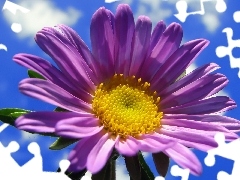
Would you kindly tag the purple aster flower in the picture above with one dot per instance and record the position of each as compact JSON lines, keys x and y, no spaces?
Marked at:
{"x":123,"y":94}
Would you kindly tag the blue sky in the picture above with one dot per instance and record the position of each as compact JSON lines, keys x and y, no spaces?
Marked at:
{"x":77,"y":14}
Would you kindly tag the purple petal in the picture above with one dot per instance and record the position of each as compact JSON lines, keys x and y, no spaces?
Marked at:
{"x":192,"y":125}
{"x":67,"y":58}
{"x":189,"y":139}
{"x":177,"y":63}
{"x":141,"y":43}
{"x":79,"y":155}
{"x":230,"y":123}
{"x":53,"y":94}
{"x":197,"y":90}
{"x":196,"y":134}
{"x":43,"y":121}
{"x":100,"y":153}
{"x":185,"y":158}
{"x":191,"y":77}
{"x":124,"y":36}
{"x":78,"y":127}
{"x":128,"y":147}
{"x":206,"y":106}
{"x":154,"y":143}
{"x":51,"y":73}
{"x":156,"y":34}
{"x":102,"y":40}
{"x":79,"y":44}
{"x":166,"y":45}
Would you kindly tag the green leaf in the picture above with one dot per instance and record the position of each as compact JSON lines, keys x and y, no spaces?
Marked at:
{"x":146,"y":171}
{"x":183,"y":74}
{"x":74,"y":175}
{"x":9,"y":115}
{"x":33,"y":74}
{"x":61,"y":143}
{"x":59,"y":109}
{"x":161,"y":162}
{"x":138,"y":168}
{"x":133,"y":166}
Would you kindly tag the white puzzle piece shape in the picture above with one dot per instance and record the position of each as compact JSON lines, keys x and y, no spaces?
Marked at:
{"x":177,"y":171}
{"x":182,"y":8}
{"x":230,"y":151}
{"x":222,"y":51}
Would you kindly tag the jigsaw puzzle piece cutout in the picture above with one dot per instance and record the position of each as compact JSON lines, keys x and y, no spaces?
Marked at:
{"x":13,"y":8}
{"x":236,"y":16}
{"x":5,"y":157}
{"x":156,"y":178}
{"x":63,"y":164}
{"x":227,"y":150}
{"x":4,"y":125}
{"x":35,"y":164}
{"x":27,"y":174}
{"x":222,"y":51}
{"x":220,"y":6}
{"x":182,"y":7}
{"x":177,"y":171}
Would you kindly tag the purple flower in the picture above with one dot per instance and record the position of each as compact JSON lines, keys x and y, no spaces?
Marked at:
{"x":123,"y":94}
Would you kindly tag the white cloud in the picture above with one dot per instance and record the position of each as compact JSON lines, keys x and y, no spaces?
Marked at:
{"x":28,"y":136}
{"x":154,"y":9}
{"x":42,"y":13}
{"x":121,"y":171}
{"x":211,"y":21}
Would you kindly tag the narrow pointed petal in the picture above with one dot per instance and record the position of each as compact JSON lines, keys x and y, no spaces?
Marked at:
{"x":199,"y":135}
{"x":128,"y":147}
{"x":181,"y":135}
{"x":166,"y":45}
{"x":189,"y":78}
{"x":79,"y":155}
{"x":53,"y":94}
{"x":51,"y":73}
{"x":43,"y":122}
{"x":124,"y":36}
{"x":230,"y":123}
{"x":161,"y":162}
{"x":80,"y":45}
{"x":67,"y":58}
{"x":100,"y":153}
{"x":78,"y":127}
{"x":177,"y":63}
{"x":207,"y":106}
{"x":197,"y":90}
{"x":156,"y":34}
{"x":154,"y":143}
{"x":185,"y":158}
{"x":141,"y":44}
{"x":102,"y":41}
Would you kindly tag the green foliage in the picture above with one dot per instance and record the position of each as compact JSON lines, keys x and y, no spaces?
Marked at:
{"x":147,"y":173}
{"x":182,"y":75}
{"x":61,"y":143}
{"x":9,"y":115}
{"x":138,"y":168}
{"x":33,"y":74}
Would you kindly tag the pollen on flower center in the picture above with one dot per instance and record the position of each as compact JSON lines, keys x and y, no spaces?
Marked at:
{"x":125,"y":106}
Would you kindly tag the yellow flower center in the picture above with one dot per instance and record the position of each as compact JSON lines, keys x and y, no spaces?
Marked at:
{"x":125,"y":106}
